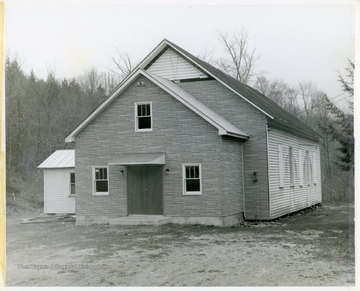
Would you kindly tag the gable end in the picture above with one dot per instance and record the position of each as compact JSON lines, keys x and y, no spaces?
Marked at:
{"x":170,"y":65}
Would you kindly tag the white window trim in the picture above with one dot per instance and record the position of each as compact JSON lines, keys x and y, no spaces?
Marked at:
{"x":314,"y":168}
{"x":291,"y":167}
{"x":136,"y":117}
{"x":184,"y":179}
{"x":281,"y":167}
{"x":70,"y":172}
{"x":308,"y":169}
{"x":301,"y":169}
{"x":93,"y":181}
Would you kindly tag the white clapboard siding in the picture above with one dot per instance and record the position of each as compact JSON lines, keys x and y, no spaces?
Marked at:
{"x":171,"y":66}
{"x":285,"y":198}
{"x":57,"y":190}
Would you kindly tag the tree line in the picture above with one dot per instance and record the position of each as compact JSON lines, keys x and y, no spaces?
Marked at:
{"x":40,"y":112}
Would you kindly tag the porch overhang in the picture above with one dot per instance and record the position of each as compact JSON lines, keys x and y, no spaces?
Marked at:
{"x":139,"y":159}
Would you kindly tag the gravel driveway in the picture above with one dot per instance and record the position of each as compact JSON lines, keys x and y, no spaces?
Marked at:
{"x":313,"y":247}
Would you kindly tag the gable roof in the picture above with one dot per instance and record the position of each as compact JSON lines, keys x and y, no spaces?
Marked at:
{"x":272,"y":110}
{"x":276,"y":115}
{"x":59,"y":159}
{"x":224,"y":127}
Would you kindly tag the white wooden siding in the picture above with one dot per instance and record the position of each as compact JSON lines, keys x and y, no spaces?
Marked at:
{"x":173,"y":67}
{"x":286,"y":198}
{"x":57,"y":191}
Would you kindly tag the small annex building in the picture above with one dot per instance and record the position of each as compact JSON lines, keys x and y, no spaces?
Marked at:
{"x":179,"y":138}
{"x":59,"y":182}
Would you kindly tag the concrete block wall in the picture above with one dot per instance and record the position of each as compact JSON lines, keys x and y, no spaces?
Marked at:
{"x":253,"y":122}
{"x":177,"y":131}
{"x":232,"y":176}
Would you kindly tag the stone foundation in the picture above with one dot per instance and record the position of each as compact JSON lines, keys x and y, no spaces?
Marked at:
{"x":222,"y":221}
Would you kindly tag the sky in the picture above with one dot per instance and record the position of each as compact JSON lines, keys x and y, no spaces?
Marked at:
{"x":295,"y":43}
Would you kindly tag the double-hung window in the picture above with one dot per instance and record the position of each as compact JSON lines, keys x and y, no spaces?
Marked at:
{"x":192,"y":179}
{"x":101,"y":180}
{"x":72,"y":183}
{"x":143,"y":116}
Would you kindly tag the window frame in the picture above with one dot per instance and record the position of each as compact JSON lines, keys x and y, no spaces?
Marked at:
{"x":308,"y":169}
{"x":314,"y":168}
{"x":70,"y":173}
{"x":94,"y":180}
{"x":281,"y":166}
{"x":137,"y":129}
{"x":301,"y":168}
{"x":291,"y":167}
{"x":191,"y":193}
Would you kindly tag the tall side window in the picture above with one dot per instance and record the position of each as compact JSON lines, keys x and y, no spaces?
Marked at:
{"x":101,"y":180}
{"x":192,"y":179}
{"x":72,"y":183}
{"x":291,"y":166}
{"x":314,"y":168}
{"x":143,"y":116}
{"x":301,"y":168}
{"x":281,"y":166}
{"x":309,"y":171}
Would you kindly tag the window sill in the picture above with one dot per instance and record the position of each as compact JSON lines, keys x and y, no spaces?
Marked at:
{"x":192,"y":193}
{"x":72,"y":195}
{"x":101,"y":193}
{"x":144,"y":130}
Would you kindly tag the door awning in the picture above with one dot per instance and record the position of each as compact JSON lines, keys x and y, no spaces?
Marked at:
{"x":140,"y":159}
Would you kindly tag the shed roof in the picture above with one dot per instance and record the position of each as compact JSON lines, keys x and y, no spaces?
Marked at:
{"x":59,"y":159}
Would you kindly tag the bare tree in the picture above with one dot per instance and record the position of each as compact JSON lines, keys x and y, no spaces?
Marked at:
{"x":307,"y":92}
{"x":208,"y":56}
{"x":279,"y":92}
{"x":240,"y":62}
{"x":124,"y":63}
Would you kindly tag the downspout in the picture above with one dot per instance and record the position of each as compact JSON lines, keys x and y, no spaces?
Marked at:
{"x":243,"y":177}
{"x":268,"y":168}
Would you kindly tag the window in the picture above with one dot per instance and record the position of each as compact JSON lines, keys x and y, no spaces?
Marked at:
{"x":309,"y":172}
{"x":191,"y":179}
{"x":101,"y":180}
{"x":291,"y":166}
{"x":301,"y":169}
{"x":281,"y":167}
{"x":143,"y":116}
{"x":72,"y":183}
{"x":314,"y":168}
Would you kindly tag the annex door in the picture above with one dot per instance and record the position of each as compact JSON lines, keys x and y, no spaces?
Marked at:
{"x":144,"y":188}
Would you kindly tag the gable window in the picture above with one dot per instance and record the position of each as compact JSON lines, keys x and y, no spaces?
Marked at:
{"x":72,"y":183}
{"x":143,"y":116}
{"x":101,"y":180}
{"x":192,"y":179}
{"x":291,"y":166}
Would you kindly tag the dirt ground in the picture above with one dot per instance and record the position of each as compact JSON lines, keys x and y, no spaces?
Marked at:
{"x":313,"y":247}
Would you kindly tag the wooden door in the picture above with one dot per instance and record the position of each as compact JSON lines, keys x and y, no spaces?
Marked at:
{"x":144,"y":188}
